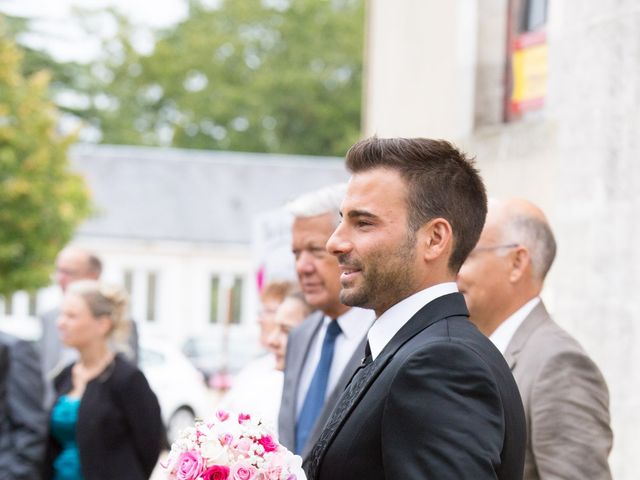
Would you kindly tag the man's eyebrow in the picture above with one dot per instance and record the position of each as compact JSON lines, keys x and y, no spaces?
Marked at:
{"x":360,"y":213}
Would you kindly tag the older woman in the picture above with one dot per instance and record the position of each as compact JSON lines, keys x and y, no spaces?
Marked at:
{"x":105,"y":422}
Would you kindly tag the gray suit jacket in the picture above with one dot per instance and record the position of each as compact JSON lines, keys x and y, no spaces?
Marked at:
{"x":565,"y":399}
{"x":298,"y":345}
{"x":23,"y":421}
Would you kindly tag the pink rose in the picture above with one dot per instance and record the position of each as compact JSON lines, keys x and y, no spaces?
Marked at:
{"x":268,"y":443}
{"x":222,"y":415}
{"x":243,"y":471}
{"x":243,"y":445}
{"x":274,"y":472}
{"x":225,"y":438}
{"x":190,"y":466}
{"x":244,"y":417}
{"x":275,"y":466}
{"x":216,"y":472}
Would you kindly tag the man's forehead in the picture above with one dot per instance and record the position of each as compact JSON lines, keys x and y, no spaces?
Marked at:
{"x":75,"y":257}
{"x":372,"y":191}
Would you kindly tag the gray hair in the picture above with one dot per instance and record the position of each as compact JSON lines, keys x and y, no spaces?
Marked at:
{"x":535,"y":234}
{"x":319,"y":202}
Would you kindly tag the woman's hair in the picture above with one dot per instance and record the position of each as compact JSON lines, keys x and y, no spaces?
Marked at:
{"x":106,"y":299}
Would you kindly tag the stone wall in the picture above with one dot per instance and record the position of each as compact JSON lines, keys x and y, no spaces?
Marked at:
{"x":580,"y":160}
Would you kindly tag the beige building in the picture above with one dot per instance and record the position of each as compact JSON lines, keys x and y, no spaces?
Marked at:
{"x":444,"y":69}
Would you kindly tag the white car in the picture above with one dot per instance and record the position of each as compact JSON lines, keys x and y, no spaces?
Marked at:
{"x":179,"y":386}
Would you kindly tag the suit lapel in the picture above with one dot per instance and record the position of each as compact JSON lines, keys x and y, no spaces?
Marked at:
{"x":304,"y":345}
{"x":297,"y":351}
{"x":530,"y":324}
{"x":436,"y":310}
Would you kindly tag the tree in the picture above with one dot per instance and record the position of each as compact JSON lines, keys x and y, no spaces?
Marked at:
{"x":41,"y":200}
{"x":256,"y":75}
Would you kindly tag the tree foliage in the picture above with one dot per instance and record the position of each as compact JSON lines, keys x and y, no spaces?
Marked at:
{"x":253,"y":75}
{"x":41,"y":201}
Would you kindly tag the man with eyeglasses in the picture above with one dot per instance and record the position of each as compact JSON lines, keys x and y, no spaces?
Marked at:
{"x":564,"y":394}
{"x":73,"y":263}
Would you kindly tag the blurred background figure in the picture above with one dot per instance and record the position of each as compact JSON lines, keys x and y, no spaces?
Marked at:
{"x":291,"y":312}
{"x":257,"y":388}
{"x":325,"y":350}
{"x":23,"y":421}
{"x":73,"y":264}
{"x":565,"y":396}
{"x":106,"y":420}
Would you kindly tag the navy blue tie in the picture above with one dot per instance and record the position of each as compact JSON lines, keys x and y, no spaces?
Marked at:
{"x":314,"y":400}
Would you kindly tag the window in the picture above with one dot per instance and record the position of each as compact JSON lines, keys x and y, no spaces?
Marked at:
{"x":128,"y":282}
{"x":235,"y":315}
{"x":534,"y":15}
{"x":152,"y":280}
{"x":33,"y":304}
{"x":8,"y":305}
{"x":214,"y":302}
{"x":527,"y":52}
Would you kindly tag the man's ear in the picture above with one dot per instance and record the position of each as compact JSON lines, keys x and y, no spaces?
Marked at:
{"x":435,"y":238}
{"x":520,"y":263}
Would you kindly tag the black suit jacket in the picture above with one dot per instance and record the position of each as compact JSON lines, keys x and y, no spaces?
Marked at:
{"x":119,"y":431}
{"x":439,"y":402}
{"x":23,"y":420}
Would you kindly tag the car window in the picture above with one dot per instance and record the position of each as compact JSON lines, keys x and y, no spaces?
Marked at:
{"x":151,"y":358}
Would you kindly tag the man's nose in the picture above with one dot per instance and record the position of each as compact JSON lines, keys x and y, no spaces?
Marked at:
{"x":338,"y":243}
{"x":272,"y":338}
{"x":304,"y":263}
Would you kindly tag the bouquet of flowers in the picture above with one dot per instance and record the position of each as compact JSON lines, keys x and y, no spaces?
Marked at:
{"x":232,"y":447}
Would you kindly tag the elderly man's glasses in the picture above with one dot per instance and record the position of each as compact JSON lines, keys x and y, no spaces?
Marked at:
{"x":494,"y":247}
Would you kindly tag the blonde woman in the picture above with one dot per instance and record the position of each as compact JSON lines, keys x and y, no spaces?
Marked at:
{"x":105,"y":422}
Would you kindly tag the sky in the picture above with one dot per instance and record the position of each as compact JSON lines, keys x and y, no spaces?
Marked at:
{"x":67,"y":41}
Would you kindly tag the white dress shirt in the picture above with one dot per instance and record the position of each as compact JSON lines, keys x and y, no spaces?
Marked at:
{"x":502,"y":335}
{"x":354,"y":325}
{"x":391,"y":321}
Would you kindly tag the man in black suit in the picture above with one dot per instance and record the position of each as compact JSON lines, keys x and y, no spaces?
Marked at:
{"x":23,"y":420}
{"x":434,"y":398}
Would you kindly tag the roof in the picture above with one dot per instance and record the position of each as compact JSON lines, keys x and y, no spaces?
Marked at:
{"x":192,"y":195}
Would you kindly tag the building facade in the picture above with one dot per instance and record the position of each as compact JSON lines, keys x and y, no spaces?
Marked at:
{"x":451,"y":70}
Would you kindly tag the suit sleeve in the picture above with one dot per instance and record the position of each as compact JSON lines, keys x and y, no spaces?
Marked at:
{"x":443,"y":417}
{"x":570,"y":432}
{"x":22,"y":456}
{"x":142,"y":411}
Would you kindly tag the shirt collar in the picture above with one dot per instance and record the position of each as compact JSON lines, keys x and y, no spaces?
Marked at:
{"x":391,"y":321}
{"x":502,"y":335}
{"x":354,"y":323}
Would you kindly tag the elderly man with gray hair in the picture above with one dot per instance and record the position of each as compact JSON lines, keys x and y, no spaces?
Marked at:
{"x":564,"y":394}
{"x":326,"y":349}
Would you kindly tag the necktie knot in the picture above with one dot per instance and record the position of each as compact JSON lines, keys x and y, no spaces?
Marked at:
{"x":333,"y":330}
{"x":367,"y":354}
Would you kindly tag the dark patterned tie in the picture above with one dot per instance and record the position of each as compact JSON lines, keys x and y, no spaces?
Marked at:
{"x":358,"y":381}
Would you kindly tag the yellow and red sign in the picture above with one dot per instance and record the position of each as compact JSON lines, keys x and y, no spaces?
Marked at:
{"x":529,"y":72}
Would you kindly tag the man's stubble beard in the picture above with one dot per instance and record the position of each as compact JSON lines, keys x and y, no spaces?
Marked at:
{"x":383,"y":287}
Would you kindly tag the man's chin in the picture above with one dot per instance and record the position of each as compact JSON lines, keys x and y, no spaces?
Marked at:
{"x":351,"y":297}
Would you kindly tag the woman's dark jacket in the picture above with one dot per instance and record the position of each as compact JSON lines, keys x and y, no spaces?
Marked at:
{"x":119,"y":430}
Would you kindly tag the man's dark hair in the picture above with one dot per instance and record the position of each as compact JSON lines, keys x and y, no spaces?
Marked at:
{"x":441,"y":180}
